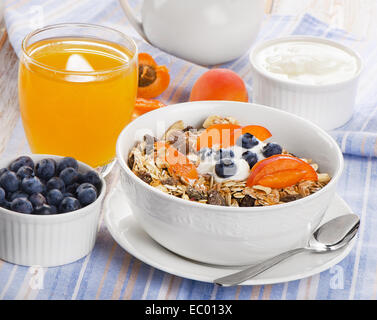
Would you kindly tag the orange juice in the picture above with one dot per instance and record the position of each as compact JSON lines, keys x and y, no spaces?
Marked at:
{"x":76,"y":95}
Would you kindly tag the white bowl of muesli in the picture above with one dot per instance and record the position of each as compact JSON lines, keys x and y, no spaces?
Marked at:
{"x":227,"y":183}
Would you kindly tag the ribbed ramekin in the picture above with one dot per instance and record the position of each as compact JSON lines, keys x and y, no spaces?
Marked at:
{"x":51,"y":240}
{"x":329,"y":106}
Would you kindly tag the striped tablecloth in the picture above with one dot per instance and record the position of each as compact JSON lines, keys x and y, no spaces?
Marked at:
{"x":109,"y":272}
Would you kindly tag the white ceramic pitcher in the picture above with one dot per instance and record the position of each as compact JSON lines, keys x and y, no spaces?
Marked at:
{"x":206,"y":32}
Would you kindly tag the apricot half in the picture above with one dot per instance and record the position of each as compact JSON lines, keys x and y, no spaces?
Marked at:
{"x":219,"y":84}
{"x":281,"y":171}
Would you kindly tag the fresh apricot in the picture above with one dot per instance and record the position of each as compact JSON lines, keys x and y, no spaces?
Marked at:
{"x":153,"y":79}
{"x":219,"y":84}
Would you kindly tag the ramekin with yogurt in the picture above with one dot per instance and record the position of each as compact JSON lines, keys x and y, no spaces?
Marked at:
{"x":310,"y":76}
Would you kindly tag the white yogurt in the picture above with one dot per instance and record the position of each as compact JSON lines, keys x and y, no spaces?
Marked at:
{"x":307,"y":62}
{"x":207,"y":166}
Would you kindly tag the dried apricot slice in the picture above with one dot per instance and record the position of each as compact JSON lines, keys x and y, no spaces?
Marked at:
{"x":179,"y":164}
{"x":221,"y":135}
{"x":225,"y":135}
{"x":281,"y":171}
{"x":145,"y":105}
{"x":259,"y":132}
{"x":153,"y":79}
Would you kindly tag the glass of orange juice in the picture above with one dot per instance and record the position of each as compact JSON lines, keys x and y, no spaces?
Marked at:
{"x":77,"y":90}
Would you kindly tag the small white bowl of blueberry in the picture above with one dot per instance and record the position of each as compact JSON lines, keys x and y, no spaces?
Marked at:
{"x":49,"y":209}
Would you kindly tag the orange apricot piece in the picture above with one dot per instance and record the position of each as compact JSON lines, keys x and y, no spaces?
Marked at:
{"x":179,"y":164}
{"x":153,"y":79}
{"x":145,"y":105}
{"x":281,"y":171}
{"x":221,"y":135}
{"x":261,"y":133}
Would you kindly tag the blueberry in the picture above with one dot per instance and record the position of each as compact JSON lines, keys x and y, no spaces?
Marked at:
{"x":205,"y":153}
{"x":54,"y":197}
{"x":67,"y":194}
{"x":225,"y":168}
{"x":81,"y":177}
{"x":32,"y":185}
{"x":93,"y":178}
{"x":45,"y":209}
{"x":20,"y":162}
{"x":3,"y":170}
{"x":69,"y":175}
{"x":84,"y":186}
{"x":25,"y":172}
{"x":69,"y":204}
{"x":5,"y":204}
{"x":21,"y":205}
{"x":67,"y":162}
{"x":250,"y":157}
{"x":270,"y":149}
{"x":87,"y":196}
{"x":37,"y":200}
{"x":247,"y":141}
{"x":45,"y":169}
{"x":18,"y":194}
{"x":9,"y":181}
{"x":2,"y":195}
{"x":72,"y":188}
{"x":224,"y":154}
{"x":55,"y":183}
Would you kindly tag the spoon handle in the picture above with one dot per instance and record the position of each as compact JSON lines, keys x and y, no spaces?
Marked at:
{"x":241,"y":276}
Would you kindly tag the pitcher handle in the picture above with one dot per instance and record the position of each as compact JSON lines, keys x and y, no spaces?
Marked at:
{"x":135,"y":22}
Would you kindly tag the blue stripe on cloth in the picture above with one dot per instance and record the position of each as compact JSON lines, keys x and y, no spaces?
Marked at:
{"x":111,"y":273}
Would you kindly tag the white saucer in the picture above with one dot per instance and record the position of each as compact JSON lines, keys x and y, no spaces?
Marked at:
{"x":128,"y":234}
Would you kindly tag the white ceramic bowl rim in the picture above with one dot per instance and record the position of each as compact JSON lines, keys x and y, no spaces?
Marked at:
{"x":268,"y":43}
{"x":59,"y":217}
{"x":133,"y":176}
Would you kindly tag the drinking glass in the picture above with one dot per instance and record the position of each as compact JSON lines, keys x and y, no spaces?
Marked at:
{"x":77,"y":90}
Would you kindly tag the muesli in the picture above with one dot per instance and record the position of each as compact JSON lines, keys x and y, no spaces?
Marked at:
{"x":223,"y":163}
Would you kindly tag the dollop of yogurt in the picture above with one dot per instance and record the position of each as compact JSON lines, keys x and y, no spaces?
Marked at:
{"x":307,"y":62}
{"x":210,"y":159}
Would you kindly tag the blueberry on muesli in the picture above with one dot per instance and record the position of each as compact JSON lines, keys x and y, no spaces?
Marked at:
{"x":224,"y":154}
{"x":251,"y":158}
{"x":247,"y":141}
{"x":225,"y":168}
{"x":272,"y":149}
